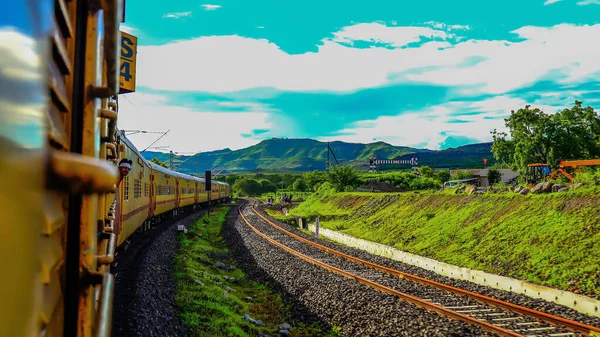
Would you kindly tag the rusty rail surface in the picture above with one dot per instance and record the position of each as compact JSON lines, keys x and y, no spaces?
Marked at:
{"x":406,"y":297}
{"x":517,"y":309}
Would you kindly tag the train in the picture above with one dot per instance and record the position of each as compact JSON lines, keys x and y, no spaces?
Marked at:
{"x":65,"y":205}
{"x":152,"y":193}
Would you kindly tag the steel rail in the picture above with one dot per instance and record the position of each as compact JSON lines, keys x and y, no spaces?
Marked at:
{"x":520,"y":310}
{"x":406,"y":297}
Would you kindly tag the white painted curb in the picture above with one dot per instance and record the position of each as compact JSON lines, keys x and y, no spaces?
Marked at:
{"x":583,"y":304}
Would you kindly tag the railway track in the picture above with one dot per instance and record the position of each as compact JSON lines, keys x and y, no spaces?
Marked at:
{"x":490,"y":314}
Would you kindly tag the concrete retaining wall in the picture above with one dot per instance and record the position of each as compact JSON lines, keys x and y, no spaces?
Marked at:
{"x":580,"y":303}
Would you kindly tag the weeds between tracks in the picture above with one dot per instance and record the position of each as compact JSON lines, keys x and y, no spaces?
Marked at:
{"x":213,"y":296}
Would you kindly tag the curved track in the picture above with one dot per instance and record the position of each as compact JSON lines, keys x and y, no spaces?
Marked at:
{"x":493,"y":315}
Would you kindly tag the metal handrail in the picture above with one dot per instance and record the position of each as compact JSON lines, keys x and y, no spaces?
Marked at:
{"x":109,"y":257}
{"x":112,"y":40}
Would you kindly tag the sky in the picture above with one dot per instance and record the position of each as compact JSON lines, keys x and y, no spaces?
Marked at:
{"x":428,"y":74}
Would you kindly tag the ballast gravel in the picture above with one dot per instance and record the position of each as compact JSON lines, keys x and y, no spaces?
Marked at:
{"x":520,"y":299}
{"x":144,"y":298}
{"x":357,"y":309}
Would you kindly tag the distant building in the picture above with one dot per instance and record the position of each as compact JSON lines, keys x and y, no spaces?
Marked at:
{"x":482,"y":175}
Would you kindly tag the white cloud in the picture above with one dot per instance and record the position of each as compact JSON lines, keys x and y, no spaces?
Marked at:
{"x":22,"y":106}
{"x":191,"y":130}
{"x":177,"y":15}
{"x":588,"y":2}
{"x":456,"y":27}
{"x":434,"y":125}
{"x":379,"y":33}
{"x":20,"y":55}
{"x":550,"y":2}
{"x":128,"y":29}
{"x":232,"y":63}
{"x":441,"y":25}
{"x":208,"y":7}
{"x":512,"y":65}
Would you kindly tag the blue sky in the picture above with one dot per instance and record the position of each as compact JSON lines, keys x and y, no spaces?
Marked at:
{"x":428,"y":73}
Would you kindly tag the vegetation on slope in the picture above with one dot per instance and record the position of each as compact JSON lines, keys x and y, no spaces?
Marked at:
{"x":344,"y":178}
{"x":549,"y":239}
{"x":213,"y":300}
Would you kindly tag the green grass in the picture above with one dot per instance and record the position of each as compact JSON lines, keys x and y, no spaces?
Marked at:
{"x":548,"y":239}
{"x":205,"y":306}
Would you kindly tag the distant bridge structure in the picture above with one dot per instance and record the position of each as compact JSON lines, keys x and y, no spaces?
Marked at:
{"x":373,"y":163}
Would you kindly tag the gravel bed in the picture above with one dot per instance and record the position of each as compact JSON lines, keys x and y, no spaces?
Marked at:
{"x":144,"y":299}
{"x":356,"y":308}
{"x":520,"y":299}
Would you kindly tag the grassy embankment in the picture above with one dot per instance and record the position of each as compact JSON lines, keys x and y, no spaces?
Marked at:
{"x":207,"y":306}
{"x":548,"y":239}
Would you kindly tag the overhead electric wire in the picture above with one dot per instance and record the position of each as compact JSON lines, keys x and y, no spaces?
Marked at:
{"x":164,"y":134}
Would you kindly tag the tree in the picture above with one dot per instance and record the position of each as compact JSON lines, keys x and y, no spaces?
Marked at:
{"x":442,"y":175}
{"x":248,"y":187}
{"x":424,"y":183}
{"x":299,"y":185}
{"x":494,"y":176}
{"x":537,"y":137}
{"x":577,"y":133}
{"x":158,"y":162}
{"x":462,"y":174}
{"x":342,"y":176}
{"x":288,"y":180}
{"x":314,"y":179}
{"x":267,"y":186}
{"x":231,"y":179}
{"x":426,"y":172}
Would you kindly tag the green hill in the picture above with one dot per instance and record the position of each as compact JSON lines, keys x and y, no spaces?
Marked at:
{"x":308,"y":154}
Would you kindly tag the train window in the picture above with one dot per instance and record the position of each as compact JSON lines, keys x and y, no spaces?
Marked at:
{"x":126,"y":188}
{"x":145,"y":190}
{"x":163,"y":190}
{"x":137,"y":188}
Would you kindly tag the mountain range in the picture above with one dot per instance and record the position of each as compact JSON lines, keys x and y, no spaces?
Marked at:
{"x":282,"y":154}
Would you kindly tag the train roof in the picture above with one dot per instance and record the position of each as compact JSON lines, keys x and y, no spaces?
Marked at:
{"x":129,"y":144}
{"x":163,"y":169}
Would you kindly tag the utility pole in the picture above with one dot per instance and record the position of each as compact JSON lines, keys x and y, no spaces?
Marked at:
{"x":327,"y":165}
{"x":171,"y":160}
{"x":329,"y":149}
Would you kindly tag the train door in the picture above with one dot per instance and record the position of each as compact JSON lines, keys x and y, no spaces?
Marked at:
{"x":151,"y":200}
{"x":177,"y":193}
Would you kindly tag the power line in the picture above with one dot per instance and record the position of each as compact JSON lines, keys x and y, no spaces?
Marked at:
{"x":164,"y":134}
{"x":136,"y":109}
{"x":133,"y":132}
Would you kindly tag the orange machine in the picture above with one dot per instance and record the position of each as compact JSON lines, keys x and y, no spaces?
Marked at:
{"x":536,"y":172}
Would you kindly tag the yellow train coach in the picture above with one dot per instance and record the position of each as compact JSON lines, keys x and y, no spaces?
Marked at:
{"x":150,"y":194}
